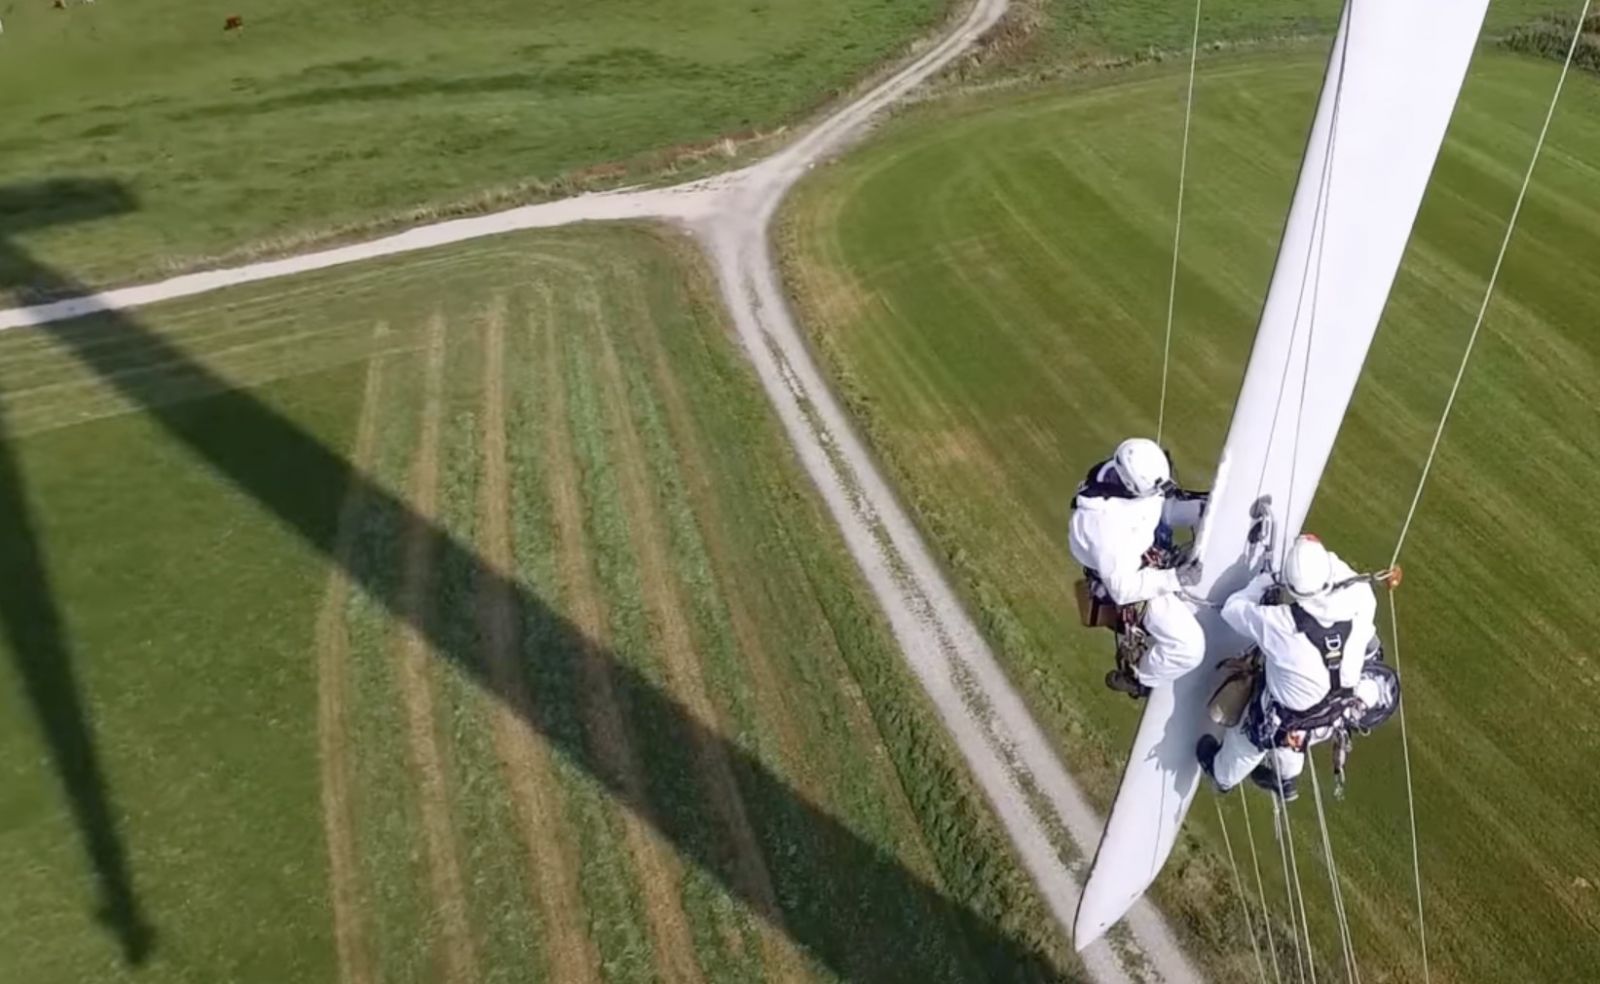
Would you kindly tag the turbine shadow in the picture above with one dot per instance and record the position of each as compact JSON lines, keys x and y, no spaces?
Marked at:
{"x":35,"y":631}
{"x":36,"y":636}
{"x":840,"y":891}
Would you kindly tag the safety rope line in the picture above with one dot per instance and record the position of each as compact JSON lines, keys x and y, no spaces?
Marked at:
{"x":1261,"y":888}
{"x":1313,"y":273}
{"x":1346,"y":941}
{"x":1238,"y":883}
{"x":1438,"y":436}
{"x":1319,"y":232}
{"x":1278,"y":824}
{"x":1177,"y":227}
{"x":1494,"y":276}
{"x":1294,"y":863}
{"x":1411,"y":800}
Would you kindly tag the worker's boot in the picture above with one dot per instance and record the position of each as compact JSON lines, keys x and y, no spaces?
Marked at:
{"x":1267,"y":778}
{"x":1123,"y":681}
{"x":1205,"y":751}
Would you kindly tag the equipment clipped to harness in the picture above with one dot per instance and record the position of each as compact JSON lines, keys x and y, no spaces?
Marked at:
{"x":1341,"y":755}
{"x":1097,"y":611}
{"x":1094,"y":609}
{"x":1345,"y":714}
{"x":1240,"y":686}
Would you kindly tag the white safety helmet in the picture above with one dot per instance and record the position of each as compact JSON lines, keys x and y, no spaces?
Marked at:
{"x":1142,"y":466}
{"x":1308,"y":569}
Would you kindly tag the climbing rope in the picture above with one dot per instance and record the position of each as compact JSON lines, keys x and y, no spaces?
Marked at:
{"x":1261,"y":888}
{"x":1494,"y":276}
{"x":1177,"y":226}
{"x":1438,"y":436}
{"x":1313,"y":273}
{"x":1346,"y":942}
{"x":1411,"y":800}
{"x":1280,"y":825}
{"x":1308,"y":273}
{"x":1244,"y":901}
{"x":1299,"y":893}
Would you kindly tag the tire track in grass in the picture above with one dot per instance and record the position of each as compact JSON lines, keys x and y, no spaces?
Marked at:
{"x":333,"y":653}
{"x":550,"y":851}
{"x":457,"y":960}
{"x":747,"y":637}
{"x":772,"y":684}
{"x":657,"y":872}
{"x":553,"y":648}
{"x":770,"y":687}
{"x":666,"y":607}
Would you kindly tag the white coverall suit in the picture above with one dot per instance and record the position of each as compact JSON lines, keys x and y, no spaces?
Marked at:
{"x":1296,"y":671}
{"x":1110,"y":536}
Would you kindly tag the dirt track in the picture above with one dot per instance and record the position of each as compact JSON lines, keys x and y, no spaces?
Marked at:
{"x":730,"y":215}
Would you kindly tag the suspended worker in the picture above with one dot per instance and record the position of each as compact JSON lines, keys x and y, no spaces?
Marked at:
{"x":1314,"y":631}
{"x":1121,"y":532}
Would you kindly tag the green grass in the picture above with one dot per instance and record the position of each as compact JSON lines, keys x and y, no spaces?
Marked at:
{"x":1078,"y":31}
{"x":987,"y":282}
{"x":196,"y":692}
{"x":186,"y":529}
{"x":320,"y":116}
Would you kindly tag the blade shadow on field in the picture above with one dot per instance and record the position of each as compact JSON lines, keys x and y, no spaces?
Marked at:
{"x":34,"y":627}
{"x":300,"y":481}
{"x":37,"y":637}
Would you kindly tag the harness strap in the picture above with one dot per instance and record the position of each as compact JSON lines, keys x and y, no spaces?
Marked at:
{"x":1328,"y":639}
{"x":1098,"y":485}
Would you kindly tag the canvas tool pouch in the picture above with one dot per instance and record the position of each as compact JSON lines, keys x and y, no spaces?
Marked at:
{"x":1233,"y":695}
{"x":1094,"y":611}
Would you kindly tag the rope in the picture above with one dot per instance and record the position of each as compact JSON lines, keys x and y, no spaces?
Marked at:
{"x":1319,"y":235}
{"x":1299,"y":893}
{"x":1433,"y":451}
{"x":1346,"y":941}
{"x":1261,"y":888}
{"x":1320,"y":232}
{"x":1488,"y":293}
{"x":1411,"y":799}
{"x":1288,"y":890}
{"x":1177,"y":228}
{"x":1244,"y":902}
{"x":1314,"y":273}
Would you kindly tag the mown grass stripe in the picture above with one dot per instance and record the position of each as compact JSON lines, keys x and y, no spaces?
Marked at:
{"x":333,"y":683}
{"x":457,"y":959}
{"x":548,"y":845}
{"x":658,"y":875}
{"x":393,"y":876}
{"x":652,"y":497}
{"x":501,"y":910}
{"x":553,"y":651}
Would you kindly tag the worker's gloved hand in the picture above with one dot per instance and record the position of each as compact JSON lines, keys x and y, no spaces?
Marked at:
{"x":1189,"y":573}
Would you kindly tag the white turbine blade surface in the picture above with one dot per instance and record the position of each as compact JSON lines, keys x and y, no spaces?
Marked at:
{"x":1402,"y":69}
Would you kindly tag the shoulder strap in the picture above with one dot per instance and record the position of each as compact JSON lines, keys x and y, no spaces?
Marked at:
{"x":1095,"y":487}
{"x":1328,"y":639}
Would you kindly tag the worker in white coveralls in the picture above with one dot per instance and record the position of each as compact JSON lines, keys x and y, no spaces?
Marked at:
{"x":1313,"y":630}
{"x":1122,"y":518}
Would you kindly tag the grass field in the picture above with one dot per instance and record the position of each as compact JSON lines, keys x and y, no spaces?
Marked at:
{"x":987,"y":281}
{"x":458,"y":617}
{"x":1093,"y":30}
{"x":320,"y":115}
